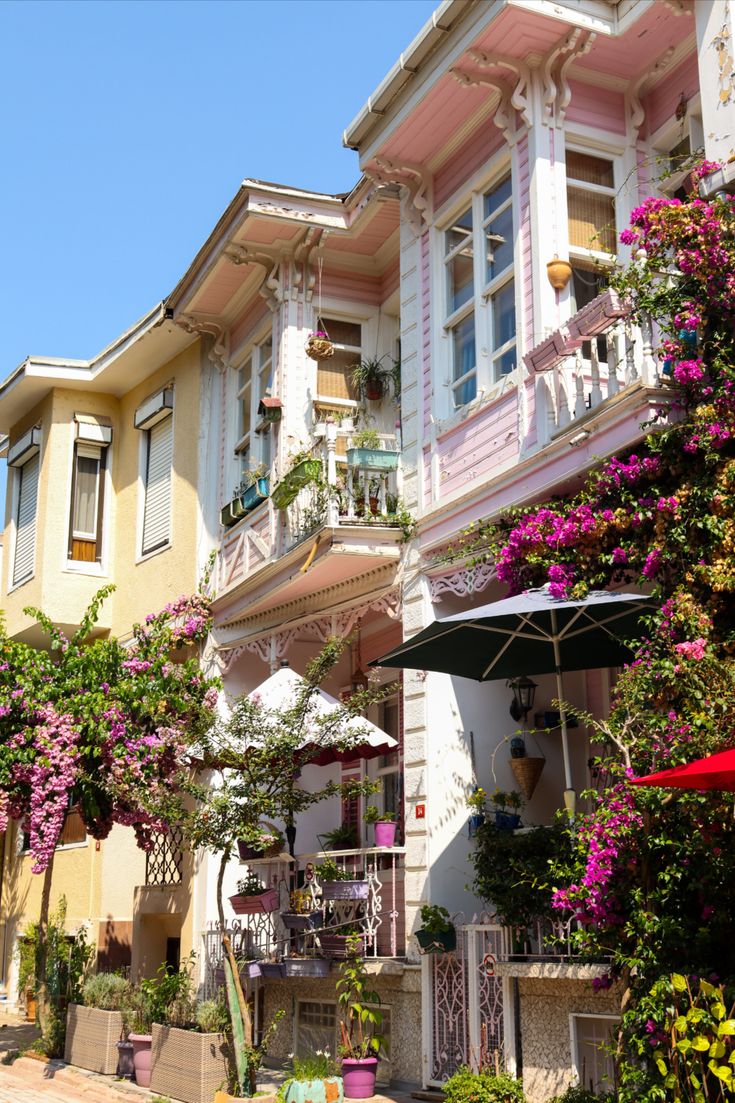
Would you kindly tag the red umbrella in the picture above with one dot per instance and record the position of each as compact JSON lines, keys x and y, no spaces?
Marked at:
{"x":717,"y":771}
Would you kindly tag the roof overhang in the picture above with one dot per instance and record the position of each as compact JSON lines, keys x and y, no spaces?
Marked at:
{"x":148,"y":344}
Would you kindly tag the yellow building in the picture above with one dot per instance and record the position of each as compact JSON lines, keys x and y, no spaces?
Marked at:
{"x":104,"y":460}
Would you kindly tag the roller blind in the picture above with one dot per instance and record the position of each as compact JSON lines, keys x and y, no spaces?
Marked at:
{"x":25,"y":535}
{"x":157,"y":508}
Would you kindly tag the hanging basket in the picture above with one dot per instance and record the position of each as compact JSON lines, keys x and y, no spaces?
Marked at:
{"x":319,"y":348}
{"x":527,"y":771}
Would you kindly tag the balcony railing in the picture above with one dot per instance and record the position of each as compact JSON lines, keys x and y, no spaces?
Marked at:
{"x":541,"y":940}
{"x":364,"y":491}
{"x":379,"y":915}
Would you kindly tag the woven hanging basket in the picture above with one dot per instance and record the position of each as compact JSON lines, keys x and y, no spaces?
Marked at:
{"x":319,"y":348}
{"x":527,"y":771}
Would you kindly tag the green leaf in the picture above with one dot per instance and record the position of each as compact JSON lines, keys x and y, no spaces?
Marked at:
{"x":700,"y":1043}
{"x":718,"y":1010}
{"x":678,"y":982}
{"x":726,"y":1027}
{"x":681,"y":1024}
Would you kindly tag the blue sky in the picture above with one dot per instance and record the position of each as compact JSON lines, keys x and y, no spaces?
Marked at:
{"x":127,"y":127}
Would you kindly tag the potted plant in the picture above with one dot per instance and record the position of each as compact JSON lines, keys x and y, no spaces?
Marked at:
{"x":253,"y":897}
{"x":313,"y":1079}
{"x":488,"y":1084}
{"x":249,"y":493}
{"x":140,"y":1011}
{"x":343,"y":837}
{"x":476,"y":804}
{"x":272,"y":969}
{"x":385,"y":825}
{"x":371,"y":377}
{"x":95,"y":1027}
{"x":304,"y":469}
{"x":365,"y":451}
{"x":269,"y":844}
{"x":340,"y":884}
{"x":360,"y":1040}
{"x":303,"y":914}
{"x":437,"y":934}
{"x":190,"y":1050}
{"x":306,"y":965}
{"x":504,"y":820}
{"x":318,"y":345}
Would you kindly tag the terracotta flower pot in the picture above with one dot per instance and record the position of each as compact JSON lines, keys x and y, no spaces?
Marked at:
{"x":559,"y":273}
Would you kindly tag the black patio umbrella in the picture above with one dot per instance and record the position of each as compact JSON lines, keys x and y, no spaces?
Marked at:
{"x":530,"y":633}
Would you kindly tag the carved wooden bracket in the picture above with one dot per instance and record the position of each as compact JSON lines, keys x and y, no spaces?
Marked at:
{"x":200,"y":323}
{"x":640,"y":84}
{"x":304,"y":273}
{"x":555,"y":70}
{"x":270,"y":288}
{"x":416,"y":182}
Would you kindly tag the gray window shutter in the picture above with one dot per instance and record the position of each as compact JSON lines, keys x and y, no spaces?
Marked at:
{"x":157,"y":508}
{"x":25,"y":533}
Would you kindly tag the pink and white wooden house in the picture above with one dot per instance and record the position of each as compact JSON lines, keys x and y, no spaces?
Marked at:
{"x":509,"y":136}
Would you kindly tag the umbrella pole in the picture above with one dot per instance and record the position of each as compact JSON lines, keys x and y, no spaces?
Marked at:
{"x":562,"y":712}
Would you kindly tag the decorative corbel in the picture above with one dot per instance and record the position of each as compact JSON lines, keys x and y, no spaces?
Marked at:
{"x":639,"y":85}
{"x":270,"y":288}
{"x":415,"y":180}
{"x":219,"y":352}
{"x":304,"y":279}
{"x":504,"y":116}
{"x":556,"y":90}
{"x":519,"y":95}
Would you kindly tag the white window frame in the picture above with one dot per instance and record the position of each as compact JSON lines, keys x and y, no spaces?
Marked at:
{"x":669,"y":135}
{"x":348,"y":404}
{"x":87,"y":452}
{"x":579,"y":252}
{"x":484,"y":291}
{"x":253,"y":441}
{"x":574,"y":1016}
{"x":143,"y":457}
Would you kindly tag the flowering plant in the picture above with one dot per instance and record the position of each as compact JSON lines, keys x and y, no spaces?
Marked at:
{"x":476,"y":800}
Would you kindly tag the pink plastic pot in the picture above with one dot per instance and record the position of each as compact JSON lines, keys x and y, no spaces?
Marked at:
{"x":142,"y":1058}
{"x":359,"y":1077}
{"x":385,"y":833}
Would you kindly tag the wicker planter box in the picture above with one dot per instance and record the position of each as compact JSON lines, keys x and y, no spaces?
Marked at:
{"x":187,"y":1065}
{"x":91,"y":1038}
{"x":250,"y":905}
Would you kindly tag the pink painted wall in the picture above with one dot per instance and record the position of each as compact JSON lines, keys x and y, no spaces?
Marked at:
{"x":660,"y":103}
{"x":390,"y":279}
{"x":485,"y":441}
{"x":248,"y":321}
{"x":471,"y":155}
{"x":600,"y":108}
{"x":352,"y":285}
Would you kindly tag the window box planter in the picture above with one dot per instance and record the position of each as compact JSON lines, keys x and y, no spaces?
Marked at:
{"x":329,"y":1090}
{"x":250,"y":854}
{"x":335,"y":945}
{"x":303,"y":921}
{"x":187,"y":1065}
{"x":231,"y":513}
{"x":596,"y":317}
{"x":443,"y":943}
{"x":256,"y":493}
{"x":305,"y":472}
{"x":91,"y":1038}
{"x":307,"y":966}
{"x":252,"y":905}
{"x":272,"y":969}
{"x":344,"y":890}
{"x":379,"y":459}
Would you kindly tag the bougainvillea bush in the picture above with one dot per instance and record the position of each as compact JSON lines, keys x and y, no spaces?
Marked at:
{"x":105,"y":721}
{"x":652,"y":877}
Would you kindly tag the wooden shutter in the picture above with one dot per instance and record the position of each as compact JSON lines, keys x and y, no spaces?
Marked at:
{"x":25,"y":535}
{"x":157,"y":508}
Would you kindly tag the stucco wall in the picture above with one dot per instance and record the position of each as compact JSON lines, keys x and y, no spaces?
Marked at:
{"x":401,"y":994}
{"x":545,"y":1007}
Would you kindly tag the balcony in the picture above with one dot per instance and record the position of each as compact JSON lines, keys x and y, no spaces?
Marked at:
{"x":262,"y":941}
{"x":340,"y":521}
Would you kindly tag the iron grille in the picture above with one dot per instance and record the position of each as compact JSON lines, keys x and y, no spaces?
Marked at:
{"x":164,"y":862}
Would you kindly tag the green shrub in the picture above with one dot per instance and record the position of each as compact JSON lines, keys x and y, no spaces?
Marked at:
{"x":105,"y":991}
{"x":467,"y":1086}
{"x":578,"y":1094}
{"x":212,"y":1017}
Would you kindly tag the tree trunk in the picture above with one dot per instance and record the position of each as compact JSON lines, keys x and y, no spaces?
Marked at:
{"x":226,"y":854}
{"x":42,"y":997}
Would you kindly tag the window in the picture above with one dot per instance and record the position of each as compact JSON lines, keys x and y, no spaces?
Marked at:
{"x":334,"y":376}
{"x":591,"y":204}
{"x":158,"y":455}
{"x":87,"y":492}
{"x":591,"y":1038}
{"x":480,"y":289}
{"x":25,"y":457}
{"x":254,"y":382}
{"x":73,"y":830}
{"x":316,"y":1028}
{"x":389,"y":764}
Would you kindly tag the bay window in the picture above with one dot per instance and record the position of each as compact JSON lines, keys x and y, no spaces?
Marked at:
{"x":254,"y":382}
{"x":334,"y":386}
{"x":480,"y":291}
{"x":85,"y":535}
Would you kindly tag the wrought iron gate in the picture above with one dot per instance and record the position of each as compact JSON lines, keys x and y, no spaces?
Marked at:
{"x":466,"y":1000}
